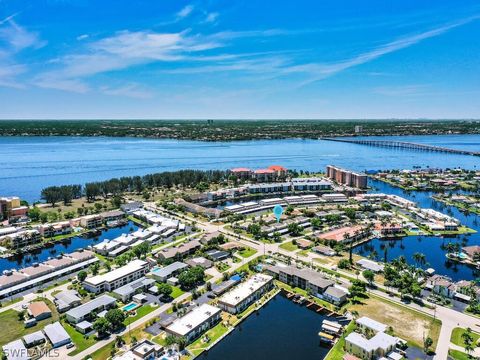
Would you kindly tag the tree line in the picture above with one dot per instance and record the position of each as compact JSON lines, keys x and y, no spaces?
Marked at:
{"x":118,"y":186}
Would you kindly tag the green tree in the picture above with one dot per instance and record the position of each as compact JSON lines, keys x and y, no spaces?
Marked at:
{"x":115,"y":317}
{"x":165,"y":289}
{"x":427,"y":343}
{"x":102,"y":326}
{"x":369,"y":275}
{"x":82,"y":275}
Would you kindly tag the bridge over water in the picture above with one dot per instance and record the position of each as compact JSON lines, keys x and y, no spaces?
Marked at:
{"x":405,"y":145}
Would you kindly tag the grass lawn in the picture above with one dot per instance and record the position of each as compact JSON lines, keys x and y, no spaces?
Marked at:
{"x":140,"y":312}
{"x":10,"y":302}
{"x":13,"y":329}
{"x":458,"y":355}
{"x":337,"y":351}
{"x":214,"y":333}
{"x":407,"y":324}
{"x":289,"y":246}
{"x":81,"y":343}
{"x":101,"y":354}
{"x":456,"y":337}
{"x":176,"y":292}
{"x":247,"y":252}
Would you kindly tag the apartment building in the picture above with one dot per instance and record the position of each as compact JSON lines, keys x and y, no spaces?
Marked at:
{"x":114,"y":279}
{"x":91,"y":221}
{"x":347,"y":177}
{"x":247,"y":292}
{"x":195,"y":323}
{"x":20,"y":239}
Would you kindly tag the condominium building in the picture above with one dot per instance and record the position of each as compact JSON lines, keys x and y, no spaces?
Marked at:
{"x":311,"y":184}
{"x":11,"y":206}
{"x":86,"y":310}
{"x":91,"y":221}
{"x":20,"y":239}
{"x":195,"y":323}
{"x":112,"y":280}
{"x":242,"y":173}
{"x":247,"y":292}
{"x":347,"y":177}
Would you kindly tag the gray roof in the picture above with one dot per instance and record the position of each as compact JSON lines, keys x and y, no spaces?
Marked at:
{"x":34,"y":337}
{"x":16,"y":350}
{"x":84,"y":325}
{"x":56,"y":333}
{"x":87,"y":308}
{"x":133,"y":286}
{"x":335,"y":292}
{"x":169,"y":269}
{"x":67,"y":297}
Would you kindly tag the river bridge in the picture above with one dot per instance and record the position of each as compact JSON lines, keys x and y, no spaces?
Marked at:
{"x":405,"y":145}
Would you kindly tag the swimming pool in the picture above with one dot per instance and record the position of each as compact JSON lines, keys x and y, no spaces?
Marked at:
{"x":130,"y":307}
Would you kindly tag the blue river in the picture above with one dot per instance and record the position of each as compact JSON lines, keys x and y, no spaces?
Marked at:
{"x":28,"y":164}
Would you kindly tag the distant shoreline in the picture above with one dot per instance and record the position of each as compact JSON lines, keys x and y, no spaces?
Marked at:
{"x":230,"y":130}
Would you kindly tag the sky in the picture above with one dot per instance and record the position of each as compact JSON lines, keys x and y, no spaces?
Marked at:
{"x":166,"y":59}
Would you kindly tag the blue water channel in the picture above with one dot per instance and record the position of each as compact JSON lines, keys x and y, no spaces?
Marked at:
{"x":67,"y":246}
{"x":280,"y":330}
{"x":431,"y":246}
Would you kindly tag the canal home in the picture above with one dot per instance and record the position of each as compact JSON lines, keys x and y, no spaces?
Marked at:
{"x":247,"y":292}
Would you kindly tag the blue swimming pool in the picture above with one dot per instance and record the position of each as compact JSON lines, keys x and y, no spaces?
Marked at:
{"x":130,"y":307}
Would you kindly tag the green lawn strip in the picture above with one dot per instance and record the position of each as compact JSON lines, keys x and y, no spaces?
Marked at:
{"x":456,"y":337}
{"x":176,"y":292}
{"x":101,"y":354}
{"x":140,"y":312}
{"x":458,"y":355}
{"x":337,"y":351}
{"x":11,"y":302}
{"x":81,"y":342}
{"x":289,"y":246}
{"x":247,"y":252}
{"x":13,"y":328}
{"x":198,"y":346}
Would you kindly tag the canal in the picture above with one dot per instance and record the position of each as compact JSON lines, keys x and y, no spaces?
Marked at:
{"x":66,"y":246}
{"x":431,"y":246}
{"x":280,"y":330}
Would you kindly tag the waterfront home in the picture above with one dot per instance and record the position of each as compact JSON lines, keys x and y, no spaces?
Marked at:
{"x":244,"y":294}
{"x":265,"y":175}
{"x":376,"y":347}
{"x":11,"y":207}
{"x":162,"y":274}
{"x":345,"y":234}
{"x":12,"y":282}
{"x":39,"y":310}
{"x":56,"y":334}
{"x":335,"y":198}
{"x":195,"y":323}
{"x":472,"y":252}
{"x":441,"y":285}
{"x":126,"y":292}
{"x":91,"y":221}
{"x":114,"y":279}
{"x":179,"y":252}
{"x":335,"y":295}
{"x":370,"y":265}
{"x":113,"y":215}
{"x":265,"y":188}
{"x":66,"y":299}
{"x":85,"y":311}
{"x":20,"y":239}
{"x":55,"y":229}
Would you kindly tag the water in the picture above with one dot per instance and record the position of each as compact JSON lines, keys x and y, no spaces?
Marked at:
{"x":28,"y":164}
{"x":65,"y":247}
{"x":281,"y":330}
{"x":428,"y":245}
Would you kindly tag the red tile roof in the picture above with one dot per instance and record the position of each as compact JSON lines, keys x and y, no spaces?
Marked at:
{"x":277,"y":168}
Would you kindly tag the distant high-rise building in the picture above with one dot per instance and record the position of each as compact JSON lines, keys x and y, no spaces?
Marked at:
{"x":358,"y":129}
{"x":347,"y":177}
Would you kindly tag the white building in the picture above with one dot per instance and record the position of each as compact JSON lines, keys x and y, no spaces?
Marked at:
{"x":196,"y":322}
{"x":114,"y":279}
{"x":245,"y":293}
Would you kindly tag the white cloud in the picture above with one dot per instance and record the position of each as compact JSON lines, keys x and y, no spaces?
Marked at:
{"x":184,"y":12}
{"x":82,"y":37}
{"x":129,"y":90}
{"x":211,"y":17}
{"x":17,"y":38}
